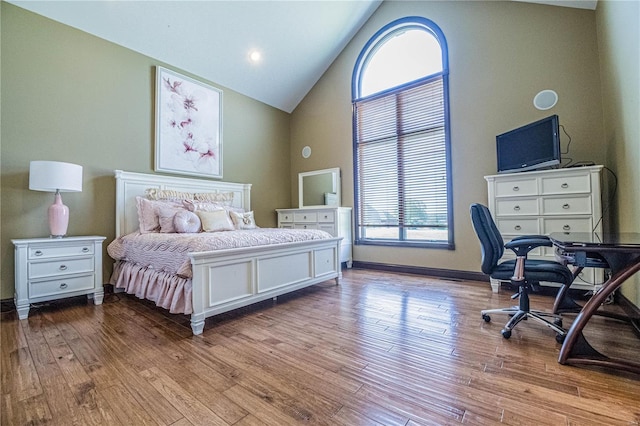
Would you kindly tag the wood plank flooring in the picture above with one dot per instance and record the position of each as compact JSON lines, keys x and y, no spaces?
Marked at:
{"x":379,"y":349}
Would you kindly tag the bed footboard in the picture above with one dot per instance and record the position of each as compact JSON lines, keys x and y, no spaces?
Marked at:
{"x":229,"y":279}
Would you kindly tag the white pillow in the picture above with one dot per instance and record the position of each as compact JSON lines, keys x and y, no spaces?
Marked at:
{"x":215,"y":221}
{"x":186,"y":222}
{"x":243,"y":220}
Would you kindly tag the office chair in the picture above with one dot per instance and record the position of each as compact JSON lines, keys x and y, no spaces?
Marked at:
{"x":523,"y":273}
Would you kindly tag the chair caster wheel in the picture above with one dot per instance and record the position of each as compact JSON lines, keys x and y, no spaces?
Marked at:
{"x":486,"y":318}
{"x":506,"y":333}
{"x":558,"y":322}
{"x":560,"y":338}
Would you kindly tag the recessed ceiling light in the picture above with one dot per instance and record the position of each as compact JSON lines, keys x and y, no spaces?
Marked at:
{"x":255,"y":56}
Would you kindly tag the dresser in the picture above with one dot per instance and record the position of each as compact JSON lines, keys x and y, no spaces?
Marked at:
{"x":542,"y":202}
{"x":335,"y":220}
{"x":53,"y":268}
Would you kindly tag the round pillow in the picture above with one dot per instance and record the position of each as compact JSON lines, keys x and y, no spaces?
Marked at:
{"x":186,"y":222}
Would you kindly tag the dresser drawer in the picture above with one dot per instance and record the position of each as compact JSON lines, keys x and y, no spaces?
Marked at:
{"x":567,"y":205}
{"x":518,"y":226}
{"x":326,"y":217}
{"x":60,"y":286}
{"x":305,"y":217}
{"x":60,"y":267}
{"x":285,"y":217}
{"x":305,"y":226}
{"x":520,"y":206}
{"x":567,"y":225}
{"x":45,"y":252}
{"x":566,"y":184}
{"x":516,"y":187}
{"x":328,"y":227}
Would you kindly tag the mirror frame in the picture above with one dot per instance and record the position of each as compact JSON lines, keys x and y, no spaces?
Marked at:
{"x":335,"y":173}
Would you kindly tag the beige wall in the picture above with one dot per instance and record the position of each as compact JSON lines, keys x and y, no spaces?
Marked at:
{"x":619,"y":45}
{"x":501,"y":54}
{"x":69,"y":96}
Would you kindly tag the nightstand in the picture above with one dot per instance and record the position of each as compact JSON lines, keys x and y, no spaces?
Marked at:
{"x":55,"y":268}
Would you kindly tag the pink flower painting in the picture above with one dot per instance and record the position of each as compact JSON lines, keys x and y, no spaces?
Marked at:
{"x":188,"y":126}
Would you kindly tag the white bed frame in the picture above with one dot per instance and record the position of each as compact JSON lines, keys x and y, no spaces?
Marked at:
{"x":228,"y":279}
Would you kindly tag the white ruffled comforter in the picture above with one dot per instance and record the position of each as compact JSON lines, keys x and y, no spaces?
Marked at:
{"x":169,"y":252}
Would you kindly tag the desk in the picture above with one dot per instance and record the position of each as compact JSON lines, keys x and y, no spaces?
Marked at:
{"x":622,"y":253}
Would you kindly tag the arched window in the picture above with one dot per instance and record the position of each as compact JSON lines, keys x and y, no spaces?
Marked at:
{"x":401,"y":137}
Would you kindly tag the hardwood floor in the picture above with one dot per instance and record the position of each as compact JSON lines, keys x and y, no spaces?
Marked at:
{"x":379,"y":349}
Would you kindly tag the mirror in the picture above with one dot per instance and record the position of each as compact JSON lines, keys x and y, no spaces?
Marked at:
{"x":319,"y":188}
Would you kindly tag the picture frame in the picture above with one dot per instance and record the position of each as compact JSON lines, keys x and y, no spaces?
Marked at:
{"x":188,"y":126}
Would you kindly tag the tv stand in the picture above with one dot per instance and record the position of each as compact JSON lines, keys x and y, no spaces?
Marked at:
{"x":545,"y":201}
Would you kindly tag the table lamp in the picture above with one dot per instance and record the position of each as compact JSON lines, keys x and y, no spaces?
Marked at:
{"x":56,"y":176}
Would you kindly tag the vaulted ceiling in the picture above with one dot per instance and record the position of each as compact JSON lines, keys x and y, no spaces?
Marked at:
{"x":297,"y":40}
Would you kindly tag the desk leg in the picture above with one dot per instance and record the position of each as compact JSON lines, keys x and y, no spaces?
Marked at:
{"x":576,"y":349}
{"x":564,"y":303}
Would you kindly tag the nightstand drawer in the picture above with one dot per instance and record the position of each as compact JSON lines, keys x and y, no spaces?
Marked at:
{"x":62,"y":251}
{"x":60,"y":286}
{"x":305,"y":217}
{"x":60,"y":267}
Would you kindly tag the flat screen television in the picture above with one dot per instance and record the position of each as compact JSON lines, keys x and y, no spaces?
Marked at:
{"x":530,"y":147}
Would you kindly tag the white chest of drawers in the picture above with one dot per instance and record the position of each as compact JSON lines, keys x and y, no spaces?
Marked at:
{"x":542,"y":202}
{"x":335,"y":220}
{"x":54,"y":268}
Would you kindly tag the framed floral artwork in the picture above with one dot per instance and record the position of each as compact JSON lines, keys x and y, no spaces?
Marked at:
{"x":188,"y":126}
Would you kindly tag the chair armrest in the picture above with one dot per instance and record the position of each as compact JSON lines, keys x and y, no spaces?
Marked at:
{"x":524,"y":237}
{"x":523,"y":245}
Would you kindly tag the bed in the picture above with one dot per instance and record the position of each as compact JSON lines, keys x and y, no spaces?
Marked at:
{"x":225,"y":279}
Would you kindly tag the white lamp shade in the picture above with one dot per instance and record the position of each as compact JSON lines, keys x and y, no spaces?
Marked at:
{"x":52,"y":176}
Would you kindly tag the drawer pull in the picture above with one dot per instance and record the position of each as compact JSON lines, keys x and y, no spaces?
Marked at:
{"x":326,"y":217}
{"x":305,"y":226}
{"x":516,"y":188}
{"x":565,"y":206}
{"x":85,"y":249}
{"x":63,"y":267}
{"x":564,"y":185}
{"x":305,"y":217}
{"x":38,"y":253}
{"x":517,"y":227}
{"x":63,"y":286}
{"x":566,"y":227}
{"x":516,"y":208}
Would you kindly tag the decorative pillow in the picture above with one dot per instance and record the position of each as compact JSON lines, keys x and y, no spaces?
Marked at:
{"x":243,"y":220}
{"x":194,"y":206}
{"x":215,"y":221}
{"x":166,"y":214}
{"x":186,"y":222}
{"x":148,"y":218}
{"x":220,"y":197}
{"x":167,"y":194}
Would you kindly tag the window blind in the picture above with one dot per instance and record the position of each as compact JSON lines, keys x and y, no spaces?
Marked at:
{"x":401,"y":161}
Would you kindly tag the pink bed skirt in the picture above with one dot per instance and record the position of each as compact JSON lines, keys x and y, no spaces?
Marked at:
{"x":166,"y":290}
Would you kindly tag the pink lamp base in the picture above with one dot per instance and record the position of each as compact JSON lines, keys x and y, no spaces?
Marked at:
{"x":58,"y":218}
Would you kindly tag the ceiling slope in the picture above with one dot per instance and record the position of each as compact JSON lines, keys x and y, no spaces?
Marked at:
{"x":298,"y":40}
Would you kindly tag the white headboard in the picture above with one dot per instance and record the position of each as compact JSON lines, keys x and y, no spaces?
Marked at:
{"x":129,"y":185}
